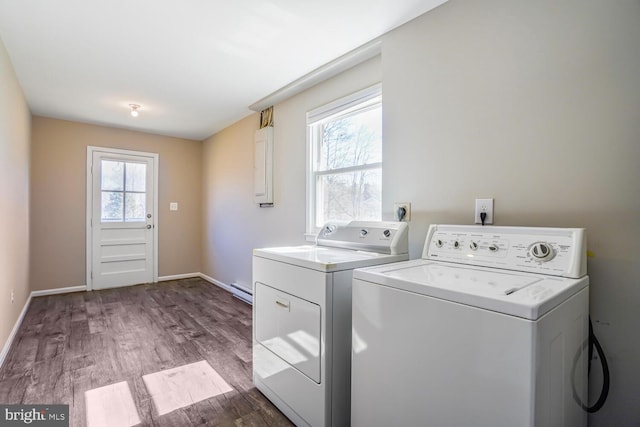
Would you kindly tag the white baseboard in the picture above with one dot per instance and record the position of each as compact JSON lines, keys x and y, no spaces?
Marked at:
{"x":200,"y":275}
{"x":14,"y":331}
{"x":44,"y":292}
{"x":178,"y":277}
{"x":215,"y":282}
{"x":192,"y":275}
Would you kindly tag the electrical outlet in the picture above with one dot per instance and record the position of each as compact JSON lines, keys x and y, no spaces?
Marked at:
{"x":486,"y":206}
{"x":12,"y":296}
{"x":398,"y":211}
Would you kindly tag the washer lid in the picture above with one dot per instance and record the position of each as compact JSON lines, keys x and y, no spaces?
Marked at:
{"x":327,"y":259}
{"x":529,"y":296}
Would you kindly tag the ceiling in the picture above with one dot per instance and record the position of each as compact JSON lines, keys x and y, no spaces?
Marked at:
{"x":194,"y":66}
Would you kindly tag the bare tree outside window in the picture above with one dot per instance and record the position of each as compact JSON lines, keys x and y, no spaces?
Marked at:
{"x":123,"y":191}
{"x":348,"y":166}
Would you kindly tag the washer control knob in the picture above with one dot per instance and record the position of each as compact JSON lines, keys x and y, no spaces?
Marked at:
{"x":493,"y":247}
{"x":387,"y":233}
{"x":439,"y":243}
{"x":473,"y":246}
{"x":542,"y":251}
{"x":363,"y":232}
{"x":456,"y":244}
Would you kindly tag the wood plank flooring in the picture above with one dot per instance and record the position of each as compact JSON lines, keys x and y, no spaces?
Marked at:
{"x":72,"y":343}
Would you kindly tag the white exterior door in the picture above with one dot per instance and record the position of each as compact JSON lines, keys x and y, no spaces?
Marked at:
{"x":121,"y":210}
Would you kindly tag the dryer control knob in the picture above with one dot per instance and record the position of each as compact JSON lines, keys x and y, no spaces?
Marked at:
{"x":328,"y":229}
{"x":456,"y":244}
{"x":542,"y":251}
{"x":386,"y":233}
{"x":363,"y":232}
{"x":473,"y":246}
{"x":439,"y":243}
{"x":493,"y":248}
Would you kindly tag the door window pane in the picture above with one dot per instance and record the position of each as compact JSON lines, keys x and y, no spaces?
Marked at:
{"x":134,"y":207}
{"x":112,"y":175}
{"x":112,"y":206}
{"x":136,"y":177}
{"x":123,"y":187}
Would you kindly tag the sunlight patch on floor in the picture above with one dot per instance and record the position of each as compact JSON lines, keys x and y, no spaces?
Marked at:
{"x":179,"y":387}
{"x":111,"y":406}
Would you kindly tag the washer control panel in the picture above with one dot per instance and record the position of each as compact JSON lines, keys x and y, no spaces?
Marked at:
{"x":553,"y":251}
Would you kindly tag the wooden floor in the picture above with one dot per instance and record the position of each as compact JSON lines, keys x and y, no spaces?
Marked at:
{"x":72,"y":343}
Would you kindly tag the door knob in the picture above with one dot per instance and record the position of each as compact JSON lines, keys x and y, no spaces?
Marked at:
{"x":148,"y":225}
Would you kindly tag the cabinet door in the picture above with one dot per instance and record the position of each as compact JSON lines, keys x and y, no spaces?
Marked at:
{"x":289,"y":327}
{"x":262,"y":166}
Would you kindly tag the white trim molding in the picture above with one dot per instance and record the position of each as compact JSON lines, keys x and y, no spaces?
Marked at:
{"x":200,"y":275}
{"x":178,"y":277}
{"x":67,"y":290}
{"x":325,"y":72}
{"x":215,"y":282}
{"x":14,"y":331}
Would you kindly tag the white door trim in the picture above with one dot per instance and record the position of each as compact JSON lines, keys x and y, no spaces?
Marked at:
{"x":89,"y":207}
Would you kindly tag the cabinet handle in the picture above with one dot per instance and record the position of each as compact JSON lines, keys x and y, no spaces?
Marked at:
{"x":282,"y":304}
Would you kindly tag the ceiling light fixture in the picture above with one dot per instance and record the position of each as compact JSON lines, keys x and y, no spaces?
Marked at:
{"x":134,"y":109}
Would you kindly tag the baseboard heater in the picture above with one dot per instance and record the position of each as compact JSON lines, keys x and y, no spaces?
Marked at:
{"x":242,"y":293}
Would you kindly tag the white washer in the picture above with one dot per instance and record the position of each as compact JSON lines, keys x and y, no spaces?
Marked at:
{"x":302,"y":317}
{"x":489,"y":328}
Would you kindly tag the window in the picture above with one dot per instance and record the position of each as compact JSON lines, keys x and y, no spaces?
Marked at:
{"x":345,"y":160}
{"x":123,"y":187}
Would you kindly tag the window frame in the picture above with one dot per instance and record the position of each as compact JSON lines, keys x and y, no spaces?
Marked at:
{"x":124,"y":191}
{"x":358,"y":102}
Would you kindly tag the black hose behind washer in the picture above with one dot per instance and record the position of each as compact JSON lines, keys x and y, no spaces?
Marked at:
{"x":604,"y":392}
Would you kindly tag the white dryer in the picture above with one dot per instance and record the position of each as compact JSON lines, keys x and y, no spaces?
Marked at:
{"x":302,"y":317}
{"x":489,"y":328}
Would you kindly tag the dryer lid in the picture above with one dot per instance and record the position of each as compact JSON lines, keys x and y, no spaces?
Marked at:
{"x":327,"y":259}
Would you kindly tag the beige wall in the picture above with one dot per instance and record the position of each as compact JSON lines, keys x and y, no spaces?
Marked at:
{"x":58,"y":197}
{"x":233,"y":223}
{"x":14,"y":195}
{"x":536,"y":104}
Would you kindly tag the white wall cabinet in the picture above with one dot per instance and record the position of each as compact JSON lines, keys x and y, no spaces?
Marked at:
{"x":263,"y":166}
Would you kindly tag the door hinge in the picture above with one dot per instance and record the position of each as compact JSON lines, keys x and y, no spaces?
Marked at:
{"x":92,"y":275}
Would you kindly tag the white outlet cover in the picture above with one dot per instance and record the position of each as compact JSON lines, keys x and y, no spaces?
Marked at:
{"x":406,"y":206}
{"x":484,"y":205}
{"x":173,"y":206}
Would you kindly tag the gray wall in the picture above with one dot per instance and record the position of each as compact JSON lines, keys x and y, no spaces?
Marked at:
{"x":233,"y":223}
{"x":536,"y":104}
